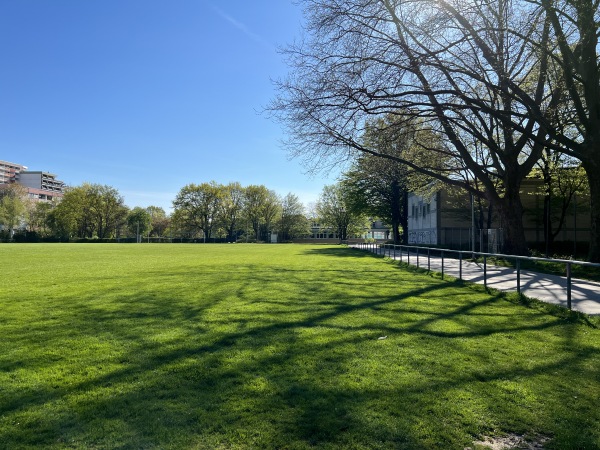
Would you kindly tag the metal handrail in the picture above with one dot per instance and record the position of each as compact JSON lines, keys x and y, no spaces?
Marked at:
{"x":374,"y":247}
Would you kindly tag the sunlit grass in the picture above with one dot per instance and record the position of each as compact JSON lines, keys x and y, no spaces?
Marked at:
{"x":276,"y":346}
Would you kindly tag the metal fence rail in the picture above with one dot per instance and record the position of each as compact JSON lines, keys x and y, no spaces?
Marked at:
{"x":392,"y":250}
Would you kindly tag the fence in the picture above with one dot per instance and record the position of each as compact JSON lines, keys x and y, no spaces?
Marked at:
{"x":405,"y":251}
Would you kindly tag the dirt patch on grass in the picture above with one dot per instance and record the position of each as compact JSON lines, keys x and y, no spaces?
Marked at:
{"x":510,"y":441}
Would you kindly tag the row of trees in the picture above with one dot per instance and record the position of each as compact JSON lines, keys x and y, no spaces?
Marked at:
{"x":207,"y":211}
{"x":472,"y":94}
{"x":86,"y":211}
{"x":232,"y":211}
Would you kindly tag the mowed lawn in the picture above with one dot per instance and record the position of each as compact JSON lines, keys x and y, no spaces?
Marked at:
{"x":277,"y":346}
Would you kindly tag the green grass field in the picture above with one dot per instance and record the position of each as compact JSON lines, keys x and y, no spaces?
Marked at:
{"x":277,"y":346}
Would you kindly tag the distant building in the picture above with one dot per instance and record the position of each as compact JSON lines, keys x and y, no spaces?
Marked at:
{"x":10,"y":172}
{"x":41,"y":186}
{"x":378,"y":231}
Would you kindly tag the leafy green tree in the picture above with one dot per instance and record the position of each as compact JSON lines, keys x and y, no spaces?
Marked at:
{"x":378,"y":188}
{"x":231,"y":209}
{"x":139,"y":222}
{"x":88,"y":211}
{"x":196,"y":208}
{"x":159,"y":221}
{"x":261,"y":207}
{"x":13,"y":206}
{"x":37,"y":217}
{"x":334,"y":211}
{"x":292,"y":222}
{"x":110,"y":211}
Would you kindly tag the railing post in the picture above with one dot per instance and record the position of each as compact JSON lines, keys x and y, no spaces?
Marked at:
{"x":460,"y":265}
{"x":569,"y":285}
{"x":417,"y":257}
{"x":485,"y":271}
{"x":408,"y":255}
{"x":428,"y":261}
{"x":442,"y":264}
{"x":519,"y":276}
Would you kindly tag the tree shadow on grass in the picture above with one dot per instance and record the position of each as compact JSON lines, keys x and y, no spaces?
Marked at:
{"x":339,"y":251}
{"x":235,"y":369}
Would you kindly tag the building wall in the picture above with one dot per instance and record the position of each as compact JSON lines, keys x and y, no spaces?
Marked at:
{"x":41,"y":195}
{"x":423,"y":219}
{"x":444,"y":219}
{"x":10,"y":172}
{"x":41,"y":180}
{"x":41,"y":186}
{"x":577,"y":218}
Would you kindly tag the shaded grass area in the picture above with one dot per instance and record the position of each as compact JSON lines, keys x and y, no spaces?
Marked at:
{"x":246,"y":346}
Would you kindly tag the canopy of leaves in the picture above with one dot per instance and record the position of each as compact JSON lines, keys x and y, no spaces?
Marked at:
{"x":88,"y":211}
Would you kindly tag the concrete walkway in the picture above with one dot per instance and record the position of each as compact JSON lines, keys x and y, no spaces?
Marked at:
{"x":585,"y":295}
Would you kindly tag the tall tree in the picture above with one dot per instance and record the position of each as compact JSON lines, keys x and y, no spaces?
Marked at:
{"x":464,"y":68}
{"x":231,"y":209}
{"x":159,"y":221}
{"x":13,"y":199}
{"x":334,"y":212}
{"x":261,"y":206}
{"x":378,"y":188}
{"x":109,"y":210}
{"x":88,"y":211}
{"x":197,"y":206}
{"x":575,"y":129}
{"x":37,"y":217}
{"x":139,"y":222}
{"x":292,"y":222}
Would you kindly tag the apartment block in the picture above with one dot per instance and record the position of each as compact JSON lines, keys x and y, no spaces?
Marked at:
{"x":41,"y":180}
{"x":10,"y":172}
{"x":41,"y":186}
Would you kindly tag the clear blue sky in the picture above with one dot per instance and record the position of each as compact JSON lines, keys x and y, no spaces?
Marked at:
{"x":147,"y":95}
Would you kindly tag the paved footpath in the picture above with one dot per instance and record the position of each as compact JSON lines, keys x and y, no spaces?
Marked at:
{"x":585,"y":295}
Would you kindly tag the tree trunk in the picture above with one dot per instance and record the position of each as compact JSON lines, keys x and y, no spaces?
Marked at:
{"x":510,"y":210}
{"x":548,"y":233}
{"x":404,"y":218}
{"x":396,"y":210}
{"x":592,"y":170}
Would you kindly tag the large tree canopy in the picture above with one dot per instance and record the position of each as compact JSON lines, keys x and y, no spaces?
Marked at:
{"x":334,"y":212}
{"x":196,"y":208}
{"x":87,"y":211}
{"x":292,"y":222}
{"x":261,"y":207}
{"x":473,"y":72}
